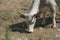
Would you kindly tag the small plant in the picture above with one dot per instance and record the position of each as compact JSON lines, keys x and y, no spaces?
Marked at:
{"x":7,"y":34}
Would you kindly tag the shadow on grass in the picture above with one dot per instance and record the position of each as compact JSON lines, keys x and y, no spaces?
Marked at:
{"x":20,"y":27}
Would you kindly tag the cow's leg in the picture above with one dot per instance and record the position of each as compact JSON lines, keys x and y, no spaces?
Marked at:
{"x":54,"y":6}
{"x":30,"y":23}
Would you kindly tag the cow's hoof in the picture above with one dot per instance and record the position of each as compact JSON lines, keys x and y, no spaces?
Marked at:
{"x":54,"y":26}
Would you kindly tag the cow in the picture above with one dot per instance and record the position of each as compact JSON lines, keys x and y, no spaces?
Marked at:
{"x":30,"y":18}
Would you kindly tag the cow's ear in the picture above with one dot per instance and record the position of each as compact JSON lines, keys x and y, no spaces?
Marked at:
{"x":22,"y":16}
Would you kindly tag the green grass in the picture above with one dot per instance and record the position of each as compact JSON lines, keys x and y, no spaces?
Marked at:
{"x":7,"y":34}
{"x":10,"y":14}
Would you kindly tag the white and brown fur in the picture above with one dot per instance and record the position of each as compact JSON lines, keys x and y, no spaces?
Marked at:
{"x":30,"y":19}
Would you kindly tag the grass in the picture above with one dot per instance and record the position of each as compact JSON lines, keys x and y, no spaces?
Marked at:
{"x":10,"y":15}
{"x":7,"y":34}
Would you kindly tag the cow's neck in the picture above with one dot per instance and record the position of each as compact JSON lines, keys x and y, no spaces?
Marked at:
{"x":35,"y":7}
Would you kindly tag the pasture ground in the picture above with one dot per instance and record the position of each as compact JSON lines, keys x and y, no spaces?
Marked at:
{"x":12,"y":25}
